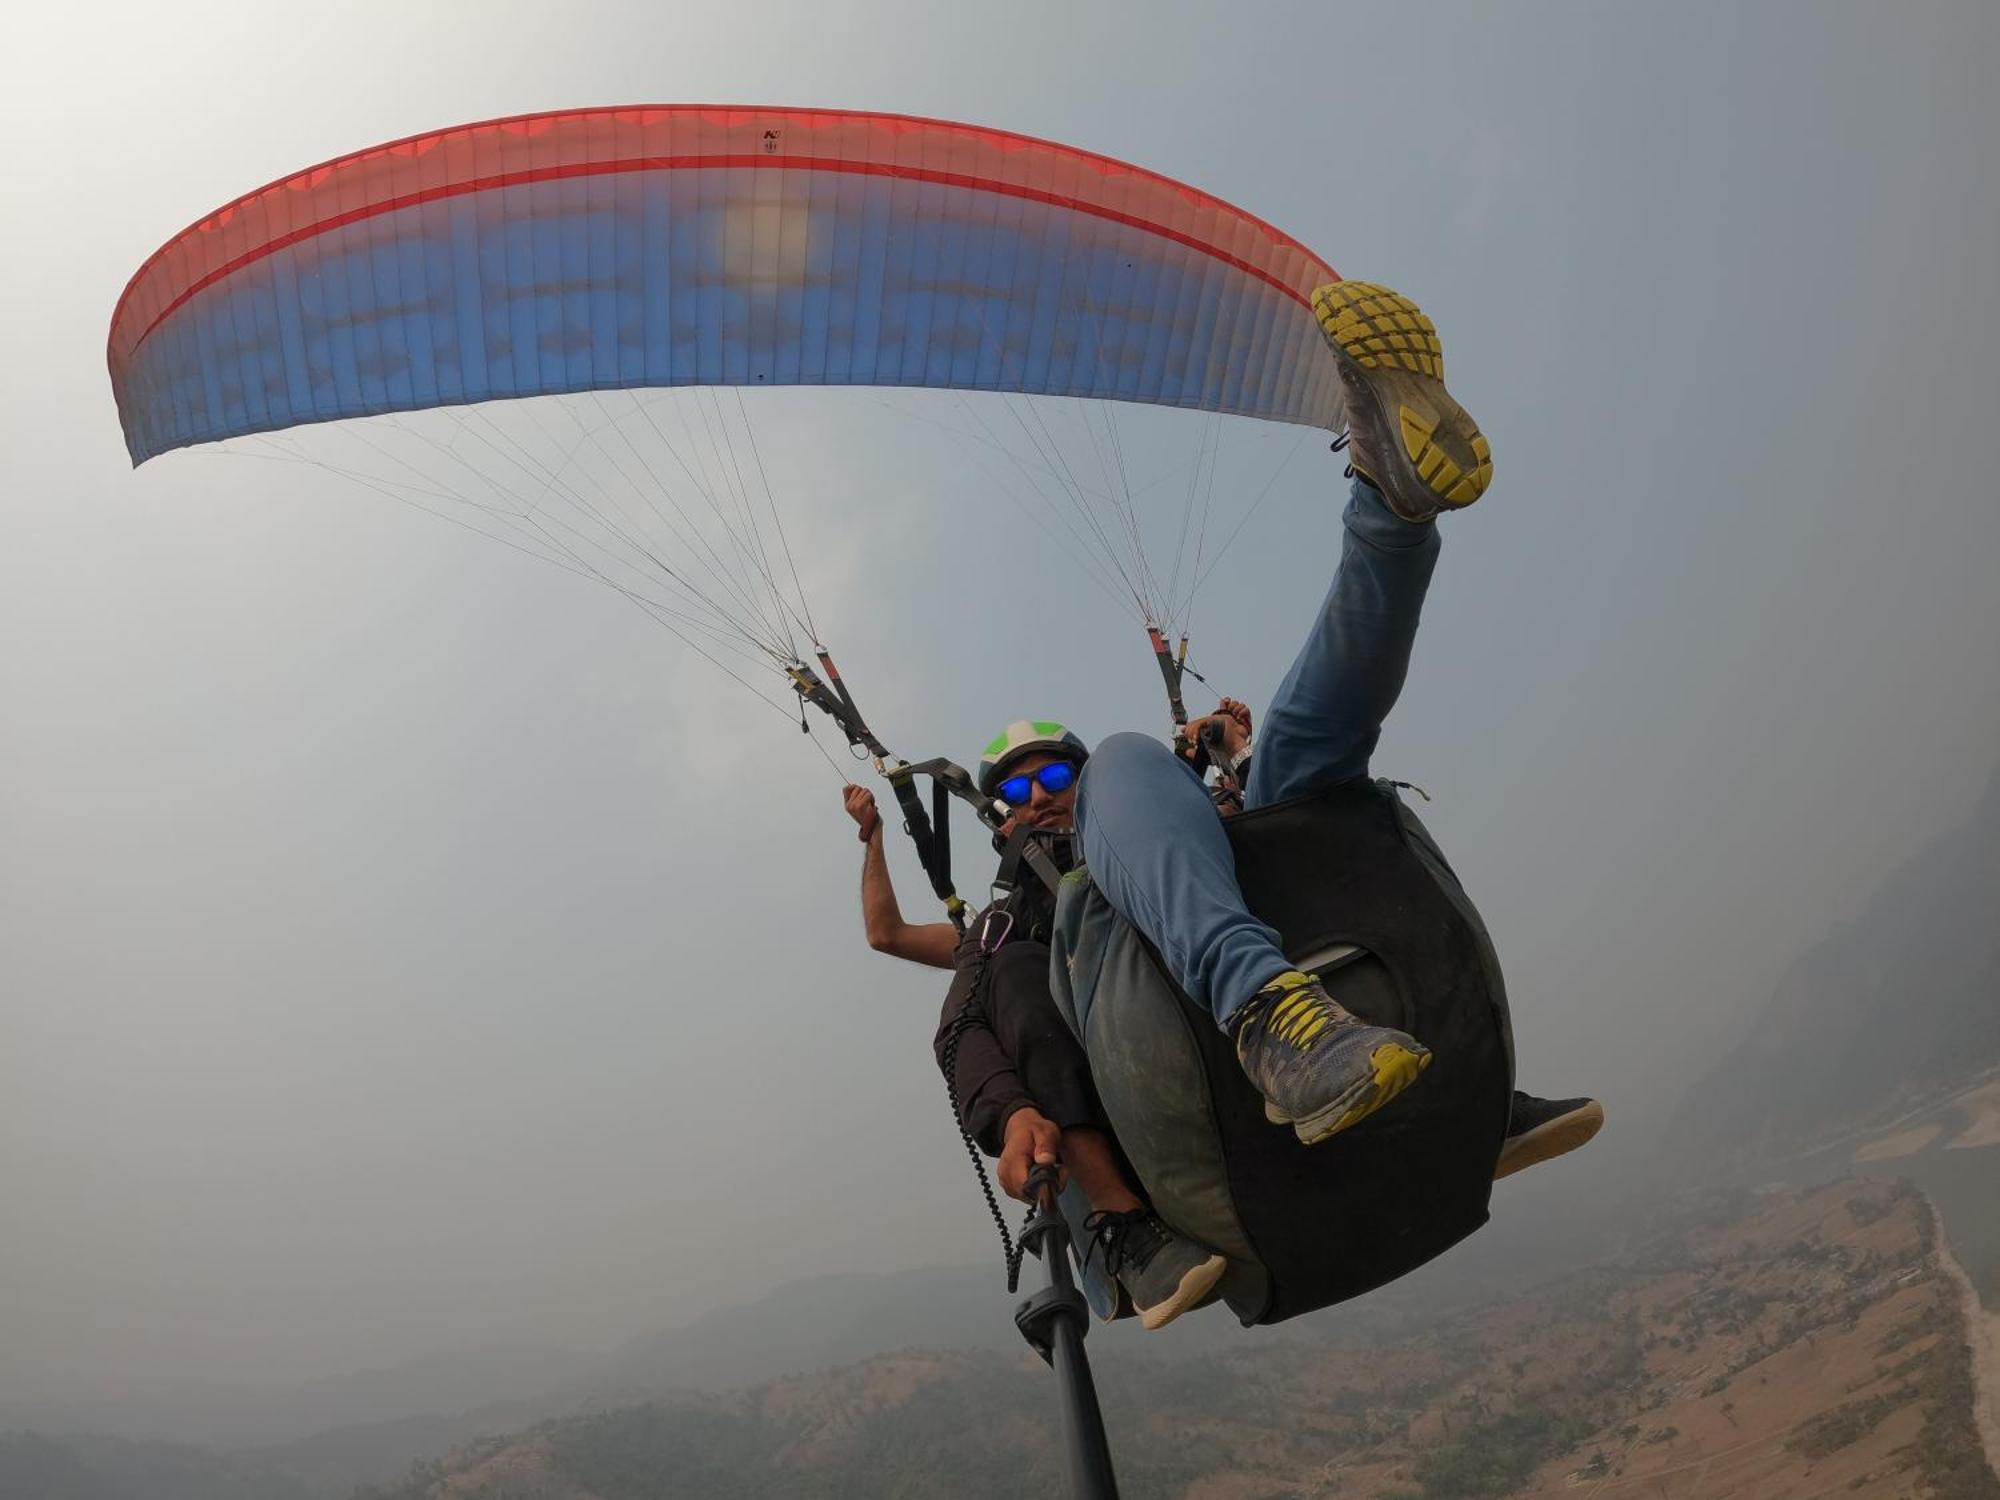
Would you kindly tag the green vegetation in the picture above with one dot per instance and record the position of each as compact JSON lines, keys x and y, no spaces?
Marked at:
{"x":1948,"y":1453}
{"x":1495,"y":1455}
{"x":652,"y":1451}
{"x":1933,"y":1319}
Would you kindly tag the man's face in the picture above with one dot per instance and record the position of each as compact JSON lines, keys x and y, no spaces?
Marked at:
{"x":1043,"y":809}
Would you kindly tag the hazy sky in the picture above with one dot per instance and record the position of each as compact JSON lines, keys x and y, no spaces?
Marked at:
{"x":405,"y":946}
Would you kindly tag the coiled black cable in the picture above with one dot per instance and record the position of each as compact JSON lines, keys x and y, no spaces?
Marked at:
{"x":974,"y":1014}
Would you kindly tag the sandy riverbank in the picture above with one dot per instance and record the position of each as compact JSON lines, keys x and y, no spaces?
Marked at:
{"x":1967,"y":1121}
{"x":1982,"y":1334}
{"x":1981,"y":1107}
{"x":1902,"y":1143}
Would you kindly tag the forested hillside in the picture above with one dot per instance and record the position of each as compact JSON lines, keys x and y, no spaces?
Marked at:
{"x":1893,"y":1004}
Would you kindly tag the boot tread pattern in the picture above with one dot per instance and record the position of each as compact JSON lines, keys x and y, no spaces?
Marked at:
{"x":1435,"y":467}
{"x":1383,"y":331}
{"x":1379,"y":328}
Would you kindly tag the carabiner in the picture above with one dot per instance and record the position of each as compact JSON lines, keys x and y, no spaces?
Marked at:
{"x":988,"y":943}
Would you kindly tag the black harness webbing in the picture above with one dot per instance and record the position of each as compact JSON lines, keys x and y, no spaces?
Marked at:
{"x":1036,"y":849}
{"x":930,"y":832}
{"x":830,"y":696}
{"x":929,"y":829}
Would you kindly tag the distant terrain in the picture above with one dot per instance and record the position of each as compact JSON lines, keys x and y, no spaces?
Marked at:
{"x":1889,"y":1009}
{"x":374,"y":1426}
{"x":1754,"y":1346}
{"x":1761,"y":1346}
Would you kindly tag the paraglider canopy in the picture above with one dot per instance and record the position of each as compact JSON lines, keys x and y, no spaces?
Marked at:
{"x":623,"y":265}
{"x":682,"y":245}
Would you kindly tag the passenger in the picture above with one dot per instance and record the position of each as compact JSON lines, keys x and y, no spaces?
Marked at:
{"x":1018,"y":1074}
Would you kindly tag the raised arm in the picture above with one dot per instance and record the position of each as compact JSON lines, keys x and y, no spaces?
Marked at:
{"x":920,"y":942}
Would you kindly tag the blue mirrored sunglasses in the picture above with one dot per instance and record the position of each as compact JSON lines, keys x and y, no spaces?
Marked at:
{"x":1056,"y":777}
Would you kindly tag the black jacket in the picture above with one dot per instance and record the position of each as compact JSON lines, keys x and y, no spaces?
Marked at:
{"x":986,"y":1086}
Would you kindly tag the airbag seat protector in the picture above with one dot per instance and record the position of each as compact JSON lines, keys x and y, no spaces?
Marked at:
{"x":1305,"y":1227}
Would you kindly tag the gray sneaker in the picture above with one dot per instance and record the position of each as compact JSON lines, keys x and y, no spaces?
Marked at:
{"x":1406,"y":435}
{"x":1319,"y":1067}
{"x":1540,"y":1130}
{"x":1164,"y":1273}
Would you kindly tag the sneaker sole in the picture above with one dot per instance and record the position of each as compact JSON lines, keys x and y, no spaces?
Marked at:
{"x":1553,"y":1138}
{"x":1384,"y":337}
{"x":1197,"y":1284}
{"x":1392,"y":1069}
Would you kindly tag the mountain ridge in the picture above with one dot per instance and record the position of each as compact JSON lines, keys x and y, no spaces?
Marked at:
{"x":1752,"y":1346}
{"x":1895,"y":1003}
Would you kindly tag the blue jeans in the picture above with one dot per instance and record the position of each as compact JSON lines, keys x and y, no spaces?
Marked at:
{"x":1152,"y":838}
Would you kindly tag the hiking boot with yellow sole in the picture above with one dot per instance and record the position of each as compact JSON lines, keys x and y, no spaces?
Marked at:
{"x":1319,"y":1067}
{"x":1406,"y":434}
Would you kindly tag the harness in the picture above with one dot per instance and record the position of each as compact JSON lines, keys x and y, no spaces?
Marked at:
{"x":929,"y":828}
{"x":1026,"y":855}
{"x":1018,"y":909}
{"x":1032,"y":864}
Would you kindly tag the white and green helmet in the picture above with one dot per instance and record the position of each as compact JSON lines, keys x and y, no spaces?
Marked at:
{"x":1025,"y":737}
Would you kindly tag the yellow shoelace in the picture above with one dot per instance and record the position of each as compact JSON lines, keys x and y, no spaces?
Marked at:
{"x":1299,"y":1015}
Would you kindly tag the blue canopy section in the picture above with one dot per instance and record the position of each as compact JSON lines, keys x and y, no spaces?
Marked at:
{"x":719,"y":275}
